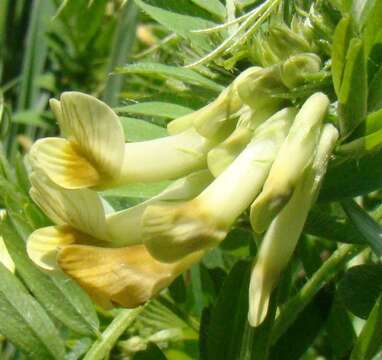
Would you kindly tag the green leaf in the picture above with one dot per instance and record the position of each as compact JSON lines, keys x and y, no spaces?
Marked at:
{"x":340,"y":330}
{"x":362,"y":145}
{"x":322,"y":223}
{"x":361,"y":10}
{"x":181,"y":17}
{"x":374,"y":121}
{"x":30,"y":117}
{"x":59,"y":295}
{"x":353,"y":177}
{"x":367,"y":226}
{"x":303,"y":331}
{"x":167,"y":71}
{"x":352,"y":99}
{"x":372,"y":24}
{"x":214,"y":7}
{"x":25,"y":323}
{"x":375,"y":92}
{"x":256,"y":341}
{"x":82,"y":19}
{"x":360,"y":288}
{"x":370,"y":339}
{"x":137,"y":190}
{"x":140,"y":130}
{"x":155,"y":108}
{"x":341,"y":40}
{"x":123,"y":41}
{"x":229,"y":316}
{"x":36,"y":51}
{"x":78,"y":348}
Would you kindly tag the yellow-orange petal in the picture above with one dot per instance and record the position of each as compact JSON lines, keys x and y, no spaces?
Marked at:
{"x":127,"y":276}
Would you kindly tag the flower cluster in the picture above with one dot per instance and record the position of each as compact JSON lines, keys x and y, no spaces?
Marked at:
{"x":247,"y":149}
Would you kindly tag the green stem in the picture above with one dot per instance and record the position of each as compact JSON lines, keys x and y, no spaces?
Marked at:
{"x":320,"y":278}
{"x":102,"y":347}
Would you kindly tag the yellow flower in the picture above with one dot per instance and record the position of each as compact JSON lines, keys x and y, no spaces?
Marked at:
{"x":281,"y":237}
{"x":94,"y":153}
{"x":171,"y":232}
{"x":91,"y":246}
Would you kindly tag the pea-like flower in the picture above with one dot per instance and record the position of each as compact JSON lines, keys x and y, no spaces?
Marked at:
{"x":282,"y":235}
{"x":104,"y":252}
{"x":94,"y":153}
{"x":295,"y":155}
{"x":174,"y":231}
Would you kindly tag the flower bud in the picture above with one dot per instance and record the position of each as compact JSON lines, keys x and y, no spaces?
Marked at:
{"x":295,"y":155}
{"x":260,"y":91}
{"x":295,"y":69}
{"x":285,"y":43}
{"x":218,"y":119}
{"x":281,"y":237}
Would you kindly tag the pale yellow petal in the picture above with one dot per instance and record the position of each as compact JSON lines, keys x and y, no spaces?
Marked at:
{"x":95,"y":129}
{"x":5,"y":258}
{"x":80,"y":208}
{"x":43,"y":244}
{"x":127,"y":276}
{"x":63,"y":163}
{"x":55,"y":106}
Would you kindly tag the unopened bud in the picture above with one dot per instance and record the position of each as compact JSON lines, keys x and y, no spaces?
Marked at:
{"x":297,"y":67}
